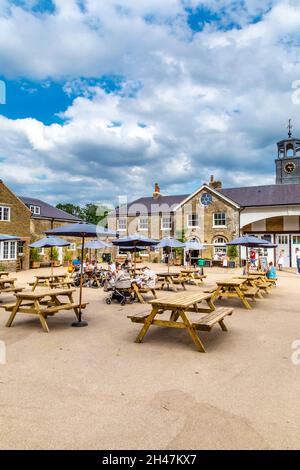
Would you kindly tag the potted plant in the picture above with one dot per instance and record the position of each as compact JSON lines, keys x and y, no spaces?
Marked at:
{"x":232,"y":253}
{"x":35,"y":258}
{"x":55,"y":257}
{"x":67,"y":258}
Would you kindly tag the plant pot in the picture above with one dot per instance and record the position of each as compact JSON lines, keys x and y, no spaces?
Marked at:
{"x":35,"y":264}
{"x":56,"y":263}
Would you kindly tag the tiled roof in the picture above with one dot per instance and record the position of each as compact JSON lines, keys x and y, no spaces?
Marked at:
{"x":270,"y":195}
{"x":48,"y":211}
{"x":147,"y":205}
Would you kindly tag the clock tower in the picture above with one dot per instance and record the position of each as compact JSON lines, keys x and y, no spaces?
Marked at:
{"x":288,"y":160}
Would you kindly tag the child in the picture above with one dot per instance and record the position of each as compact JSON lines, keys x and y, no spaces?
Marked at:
{"x":271,"y":273}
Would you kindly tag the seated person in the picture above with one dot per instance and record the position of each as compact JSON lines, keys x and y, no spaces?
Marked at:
{"x":127,"y":265}
{"x":148,"y":277}
{"x":76,"y":263}
{"x":271,"y":272}
{"x":112,"y":267}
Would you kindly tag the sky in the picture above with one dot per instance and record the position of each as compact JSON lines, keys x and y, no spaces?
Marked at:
{"x":105,"y":98}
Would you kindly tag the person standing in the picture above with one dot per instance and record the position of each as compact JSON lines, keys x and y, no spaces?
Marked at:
{"x":253,"y":258}
{"x":280,"y":261}
{"x":298,"y":259}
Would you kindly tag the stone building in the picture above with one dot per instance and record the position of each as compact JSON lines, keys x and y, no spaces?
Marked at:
{"x":28,"y":219}
{"x":214,"y":215}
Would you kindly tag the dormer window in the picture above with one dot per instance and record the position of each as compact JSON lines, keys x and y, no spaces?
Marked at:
{"x":36,"y":210}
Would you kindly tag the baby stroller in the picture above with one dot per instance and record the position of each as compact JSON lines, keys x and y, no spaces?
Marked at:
{"x":120,"y":289}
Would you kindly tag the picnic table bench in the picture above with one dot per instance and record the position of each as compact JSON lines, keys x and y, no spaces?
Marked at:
{"x":7,"y":284}
{"x":236,"y":288}
{"x":52,"y":281}
{"x":43,"y":304}
{"x":170,"y":280}
{"x":192,"y":276}
{"x":4,"y":274}
{"x":256,"y":282}
{"x":180,"y":305}
{"x":140,"y":291}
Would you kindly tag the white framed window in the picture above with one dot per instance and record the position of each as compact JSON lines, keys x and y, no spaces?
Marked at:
{"x":5,"y":214}
{"x":166,"y":223}
{"x":8,"y":251}
{"x":192,"y":220}
{"x":122,"y":224}
{"x":219,"y":219}
{"x":36,"y":210}
{"x":220,"y":248}
{"x":73,"y":247}
{"x":143,"y":223}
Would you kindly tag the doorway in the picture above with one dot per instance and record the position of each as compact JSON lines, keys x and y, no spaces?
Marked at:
{"x":282,"y":240}
{"x":295,"y":244}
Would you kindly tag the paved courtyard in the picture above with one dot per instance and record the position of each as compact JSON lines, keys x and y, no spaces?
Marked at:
{"x":94,"y":388}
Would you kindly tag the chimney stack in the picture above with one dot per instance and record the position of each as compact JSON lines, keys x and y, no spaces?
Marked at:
{"x":214,"y":184}
{"x":156,"y":193}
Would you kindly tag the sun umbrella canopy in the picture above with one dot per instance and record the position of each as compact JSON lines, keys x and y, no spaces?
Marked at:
{"x":249,"y":241}
{"x":8,"y":238}
{"x":133,"y":248}
{"x":135,"y":240}
{"x":49,"y":242}
{"x":193,"y":245}
{"x":96,"y":245}
{"x":81,"y":230}
{"x":169,"y":242}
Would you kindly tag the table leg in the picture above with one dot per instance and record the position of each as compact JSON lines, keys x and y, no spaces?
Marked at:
{"x":71,"y":300}
{"x":210,"y":303}
{"x":192,"y":332}
{"x":139,"y":296}
{"x":34,"y":285}
{"x":147,"y":324}
{"x":13,"y":313}
{"x":243,"y":298}
{"x":41,"y":317}
{"x":171,"y":284}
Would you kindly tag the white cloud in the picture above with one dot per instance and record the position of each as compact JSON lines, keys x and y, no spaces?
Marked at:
{"x":212,"y":102}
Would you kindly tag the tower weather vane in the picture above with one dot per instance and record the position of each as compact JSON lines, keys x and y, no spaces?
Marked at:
{"x":290,"y":127}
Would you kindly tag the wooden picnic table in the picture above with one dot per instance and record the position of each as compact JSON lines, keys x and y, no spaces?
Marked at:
{"x":52,"y":281}
{"x":233,"y":288}
{"x":256,"y":281}
{"x":170,"y":279}
{"x":192,"y":276}
{"x":139,"y":292}
{"x":4,"y":273}
{"x":7,"y":284}
{"x":43,"y":304}
{"x":180,"y":305}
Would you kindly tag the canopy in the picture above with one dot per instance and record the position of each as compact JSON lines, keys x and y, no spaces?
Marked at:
{"x":49,"y":242}
{"x":193,"y":245}
{"x":169,"y":242}
{"x":81,"y":230}
{"x":135,"y":240}
{"x":96,"y":245}
{"x":248,"y":241}
{"x":132,"y":248}
{"x":8,"y":238}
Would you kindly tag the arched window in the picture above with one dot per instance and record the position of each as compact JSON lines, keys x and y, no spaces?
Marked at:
{"x":220,"y":248}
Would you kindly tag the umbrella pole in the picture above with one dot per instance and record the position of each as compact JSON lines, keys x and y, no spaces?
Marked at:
{"x":80,"y":322}
{"x":134,"y":259}
{"x":51,"y":256}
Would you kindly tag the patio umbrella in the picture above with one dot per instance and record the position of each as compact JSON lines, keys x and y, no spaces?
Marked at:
{"x":8,"y":238}
{"x":249,"y":241}
{"x":134,"y":241}
{"x":96,"y":245}
{"x":82,"y":230}
{"x":169,"y":242}
{"x":50,"y":242}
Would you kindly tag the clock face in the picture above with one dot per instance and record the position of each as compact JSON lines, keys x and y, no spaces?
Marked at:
{"x":289,"y":167}
{"x":206,"y":199}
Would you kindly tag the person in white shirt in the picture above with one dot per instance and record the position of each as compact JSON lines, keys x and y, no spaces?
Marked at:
{"x":298,"y":259}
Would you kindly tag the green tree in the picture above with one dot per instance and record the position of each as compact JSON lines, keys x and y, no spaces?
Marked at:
{"x":95,"y":213}
{"x":71,"y":209}
{"x":232,"y":252}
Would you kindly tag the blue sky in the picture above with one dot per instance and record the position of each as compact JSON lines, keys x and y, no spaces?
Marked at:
{"x":107,"y":98}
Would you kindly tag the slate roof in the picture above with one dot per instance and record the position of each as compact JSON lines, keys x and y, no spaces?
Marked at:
{"x":147,"y":205}
{"x":269,"y":195}
{"x":48,"y":211}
